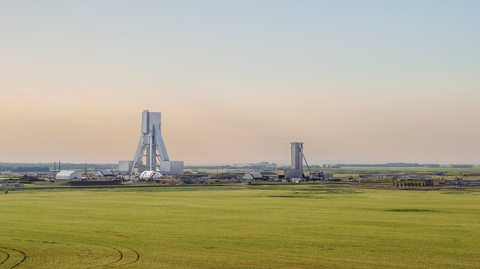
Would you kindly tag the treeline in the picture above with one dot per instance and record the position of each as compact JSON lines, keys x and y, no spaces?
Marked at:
{"x":81,"y":166}
{"x":338,"y":166}
{"x":21,"y":169}
{"x":462,"y":166}
{"x":46,"y":167}
{"x":390,"y":165}
{"x":229,"y":167}
{"x":211,"y":167}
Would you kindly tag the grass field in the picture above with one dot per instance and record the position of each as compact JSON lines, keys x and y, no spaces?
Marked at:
{"x":269,"y":226}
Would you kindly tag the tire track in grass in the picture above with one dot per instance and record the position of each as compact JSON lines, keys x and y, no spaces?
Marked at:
{"x":39,"y":257}
{"x":7,"y":256}
{"x":34,"y":260}
{"x":111,"y":263}
{"x":22,"y":255}
{"x":137,"y":257}
{"x":123,"y":256}
{"x":127,"y":257}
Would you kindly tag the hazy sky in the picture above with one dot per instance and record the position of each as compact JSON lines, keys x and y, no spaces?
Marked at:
{"x":237,"y":81}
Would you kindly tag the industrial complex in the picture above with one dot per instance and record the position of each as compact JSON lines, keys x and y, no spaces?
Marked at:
{"x":151,"y":163}
{"x":151,"y":159}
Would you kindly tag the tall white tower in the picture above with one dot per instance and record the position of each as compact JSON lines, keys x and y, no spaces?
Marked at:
{"x":152,"y":147}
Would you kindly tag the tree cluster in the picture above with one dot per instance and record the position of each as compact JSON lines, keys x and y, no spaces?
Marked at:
{"x":22,"y":169}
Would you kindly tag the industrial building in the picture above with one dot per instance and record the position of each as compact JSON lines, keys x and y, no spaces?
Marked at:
{"x":124,"y":167}
{"x":68,"y":175}
{"x":151,"y":154}
{"x":297,"y":157}
{"x":105,"y":174}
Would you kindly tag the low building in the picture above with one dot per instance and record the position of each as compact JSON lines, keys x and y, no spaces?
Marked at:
{"x":125,"y":167}
{"x":290,"y":173}
{"x":68,"y":175}
{"x":105,"y":174}
{"x":174,"y":168}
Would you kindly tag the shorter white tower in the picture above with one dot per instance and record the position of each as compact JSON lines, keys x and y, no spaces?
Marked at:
{"x":297,"y":156}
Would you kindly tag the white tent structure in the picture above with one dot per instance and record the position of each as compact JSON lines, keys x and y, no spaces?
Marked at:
{"x":68,"y":175}
{"x":253,"y":176}
{"x":149,"y":175}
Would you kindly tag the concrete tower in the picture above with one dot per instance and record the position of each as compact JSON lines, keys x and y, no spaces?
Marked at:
{"x":152,"y":147}
{"x":296,"y":169}
{"x":297,"y":156}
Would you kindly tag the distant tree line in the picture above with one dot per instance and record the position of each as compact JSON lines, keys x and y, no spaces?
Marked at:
{"x":46,"y":167}
{"x":208,"y":167}
{"x":338,"y":166}
{"x":251,"y":166}
{"x":81,"y":166}
{"x":462,"y":166}
{"x":326,"y":166}
{"x":21,"y":169}
{"x":211,"y":167}
{"x":390,"y":165}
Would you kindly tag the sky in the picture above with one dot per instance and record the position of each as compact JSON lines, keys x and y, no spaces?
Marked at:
{"x":237,"y":81}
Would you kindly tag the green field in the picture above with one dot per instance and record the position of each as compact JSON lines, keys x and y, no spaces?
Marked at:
{"x":269,"y":226}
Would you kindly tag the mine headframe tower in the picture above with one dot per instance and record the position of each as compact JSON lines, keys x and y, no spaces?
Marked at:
{"x":151,"y":145}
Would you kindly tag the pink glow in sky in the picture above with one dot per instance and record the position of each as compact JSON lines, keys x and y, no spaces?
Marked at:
{"x":239,"y":81}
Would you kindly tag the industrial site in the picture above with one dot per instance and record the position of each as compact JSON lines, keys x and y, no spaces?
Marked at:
{"x":149,"y":211}
{"x":143,"y":212}
{"x":239,"y":134}
{"x":152,"y":165}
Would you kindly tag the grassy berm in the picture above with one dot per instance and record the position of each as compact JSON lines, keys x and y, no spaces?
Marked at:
{"x":280,"y":226}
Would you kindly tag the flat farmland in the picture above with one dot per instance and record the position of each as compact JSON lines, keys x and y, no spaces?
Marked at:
{"x":244,"y":226}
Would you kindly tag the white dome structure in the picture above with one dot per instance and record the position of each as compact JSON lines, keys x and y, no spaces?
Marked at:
{"x":68,"y":175}
{"x":253,"y":176}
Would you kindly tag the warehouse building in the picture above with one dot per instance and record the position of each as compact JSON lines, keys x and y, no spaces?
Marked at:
{"x":105,"y":174}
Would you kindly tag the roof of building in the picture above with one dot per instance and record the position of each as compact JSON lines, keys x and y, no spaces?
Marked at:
{"x":253,"y":175}
{"x":65,"y":173}
{"x":107,"y":172}
{"x":68,"y":175}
